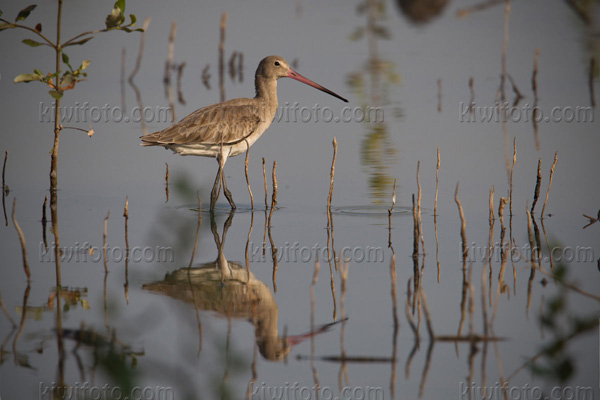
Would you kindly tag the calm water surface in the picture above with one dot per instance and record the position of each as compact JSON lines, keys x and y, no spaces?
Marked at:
{"x":253,"y":305}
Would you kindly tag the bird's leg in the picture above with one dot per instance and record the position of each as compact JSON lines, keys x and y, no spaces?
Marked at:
{"x":227,"y":192}
{"x":222,"y":158}
{"x":214,"y":194}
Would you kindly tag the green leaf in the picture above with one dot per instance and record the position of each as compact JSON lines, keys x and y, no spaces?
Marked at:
{"x":84,"y":65}
{"x":24,"y":13}
{"x":79,"y":42}
{"x":65,"y":58}
{"x":38,"y":72}
{"x":133,"y":19}
{"x":57,"y":94}
{"x":27,"y":78}
{"x":6,"y":26}
{"x":115,"y":18}
{"x":67,"y":79}
{"x":33,"y":43}
{"x":120,"y":4}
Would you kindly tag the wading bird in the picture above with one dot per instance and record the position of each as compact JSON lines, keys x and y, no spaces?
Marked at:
{"x":229,"y":128}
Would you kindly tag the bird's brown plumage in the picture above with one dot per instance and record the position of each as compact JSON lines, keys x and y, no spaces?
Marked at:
{"x":230,"y":122}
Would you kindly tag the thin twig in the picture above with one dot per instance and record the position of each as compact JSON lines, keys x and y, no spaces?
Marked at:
{"x":504,"y":48}
{"x":536,"y":111}
{"x":472,"y":90}
{"x":180,"y":98}
{"x":463,"y":224}
{"x":223,"y":27}
{"x":126,"y":216}
{"x":538,"y":181}
{"x":491,"y":217}
{"x":4,"y":187}
{"x":22,"y":240}
{"x":550,"y":182}
{"x":104,"y":247}
{"x":274,"y":195}
{"x":168,"y":67}
{"x":391,"y":210}
{"x":138,"y":61}
{"x":511,"y":176}
{"x":515,"y":89}
{"x":265,"y":179}
{"x":332,"y":173}
{"x":246,"y":172}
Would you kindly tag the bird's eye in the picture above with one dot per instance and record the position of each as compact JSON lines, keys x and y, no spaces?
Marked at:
{"x":277,"y":63}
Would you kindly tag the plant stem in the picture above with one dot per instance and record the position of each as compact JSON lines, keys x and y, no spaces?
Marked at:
{"x":54,"y":153}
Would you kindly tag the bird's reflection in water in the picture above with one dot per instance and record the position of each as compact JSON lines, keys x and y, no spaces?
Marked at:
{"x":232,"y":291}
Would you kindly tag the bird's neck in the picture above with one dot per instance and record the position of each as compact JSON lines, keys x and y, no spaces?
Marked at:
{"x":266,"y":90}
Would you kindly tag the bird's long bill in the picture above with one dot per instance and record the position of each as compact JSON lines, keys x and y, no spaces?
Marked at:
{"x":294,"y":75}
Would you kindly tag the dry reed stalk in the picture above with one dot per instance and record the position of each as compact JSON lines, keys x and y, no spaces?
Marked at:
{"x":231,"y":63}
{"x":504,"y":47}
{"x":549,"y":183}
{"x":534,"y":74}
{"x":4,"y":188}
{"x":167,"y":182}
{"x":240,"y":66}
{"x":104,"y":248}
{"x":44,"y":221}
{"x":515,"y":89}
{"x":246,"y":172}
{"x":138,"y":61}
{"x":4,"y":171}
{"x":511,"y":176}
{"x":463,"y":225}
{"x":491,"y":217}
{"x":391,"y":210}
{"x":138,"y":94}
{"x":169,"y":62}
{"x":22,"y":241}
{"x":126,"y":216}
{"x":427,"y":315}
{"x":274,"y":195}
{"x":332,"y":174}
{"x":419,"y":207}
{"x":472,"y":90}
{"x":265,"y":179}
{"x":437,"y":182}
{"x":409,"y":317}
{"x":415,"y":257}
{"x":168,"y":66}
{"x":223,"y":27}
{"x":197,"y":232}
{"x":206,"y":77}
{"x":180,"y":98}
{"x":538,"y":181}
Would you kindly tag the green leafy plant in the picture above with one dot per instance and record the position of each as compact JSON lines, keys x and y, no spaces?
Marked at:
{"x":60,"y":81}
